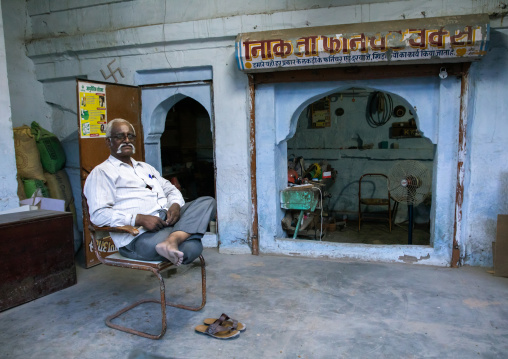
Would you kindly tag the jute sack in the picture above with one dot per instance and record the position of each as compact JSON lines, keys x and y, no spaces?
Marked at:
{"x":50,"y":149}
{"x":31,"y":185}
{"x":21,"y":189}
{"x":59,"y":187}
{"x":28,"y":160}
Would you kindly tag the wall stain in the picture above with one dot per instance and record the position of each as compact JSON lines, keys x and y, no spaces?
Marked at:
{"x":412,"y":259}
{"x":476,"y":303}
{"x":257,"y":264}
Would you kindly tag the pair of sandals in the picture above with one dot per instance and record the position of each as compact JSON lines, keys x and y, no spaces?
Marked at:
{"x":221,"y":328}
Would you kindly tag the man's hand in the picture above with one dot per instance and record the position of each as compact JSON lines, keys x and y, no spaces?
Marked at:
{"x":173,"y":214}
{"x":150,"y":223}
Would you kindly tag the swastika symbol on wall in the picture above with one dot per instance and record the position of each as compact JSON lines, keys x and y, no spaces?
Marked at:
{"x":112,"y":72}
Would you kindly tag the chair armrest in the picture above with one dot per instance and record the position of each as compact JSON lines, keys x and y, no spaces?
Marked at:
{"x":122,"y":229}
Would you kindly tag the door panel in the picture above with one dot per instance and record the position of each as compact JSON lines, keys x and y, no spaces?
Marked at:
{"x":121,"y":101}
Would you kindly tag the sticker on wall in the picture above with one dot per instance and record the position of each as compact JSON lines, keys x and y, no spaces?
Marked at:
{"x":92,"y":110}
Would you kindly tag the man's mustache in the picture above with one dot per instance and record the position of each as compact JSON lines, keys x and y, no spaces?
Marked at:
{"x":126,"y":144}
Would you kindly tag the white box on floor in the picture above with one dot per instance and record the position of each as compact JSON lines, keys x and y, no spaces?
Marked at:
{"x":45,"y":203}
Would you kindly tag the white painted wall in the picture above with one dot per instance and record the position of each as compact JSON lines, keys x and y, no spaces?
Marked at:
{"x":70,"y":38}
{"x":8,"y":184}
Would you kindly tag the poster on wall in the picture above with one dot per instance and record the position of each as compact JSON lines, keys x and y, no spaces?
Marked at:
{"x":92,"y":110}
{"x":321,"y":113}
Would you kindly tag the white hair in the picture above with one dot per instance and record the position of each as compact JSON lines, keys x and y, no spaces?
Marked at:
{"x":110,"y":124}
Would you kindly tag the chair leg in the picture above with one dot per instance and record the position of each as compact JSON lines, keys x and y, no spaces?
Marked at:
{"x":163,"y":304}
{"x":359,"y":216}
{"x":390,"y":215}
{"x":203,"y":291}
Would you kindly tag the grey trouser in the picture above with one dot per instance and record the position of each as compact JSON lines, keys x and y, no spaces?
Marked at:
{"x":194,"y":219}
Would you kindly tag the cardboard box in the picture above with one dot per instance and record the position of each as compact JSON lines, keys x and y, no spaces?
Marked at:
{"x":44,"y":203}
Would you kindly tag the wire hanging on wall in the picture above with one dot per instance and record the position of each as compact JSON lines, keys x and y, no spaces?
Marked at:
{"x":379,"y":109}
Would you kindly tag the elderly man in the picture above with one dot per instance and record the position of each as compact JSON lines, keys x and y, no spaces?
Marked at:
{"x":122,"y":191}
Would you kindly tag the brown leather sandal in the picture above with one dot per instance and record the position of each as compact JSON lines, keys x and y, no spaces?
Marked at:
{"x":226,"y":321}
{"x":218,"y":331}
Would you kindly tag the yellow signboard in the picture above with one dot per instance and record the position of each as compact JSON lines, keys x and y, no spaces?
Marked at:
{"x":92,"y":110}
{"x":440,"y":39}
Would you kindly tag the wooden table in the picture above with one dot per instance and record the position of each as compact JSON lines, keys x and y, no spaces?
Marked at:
{"x":37,"y":255}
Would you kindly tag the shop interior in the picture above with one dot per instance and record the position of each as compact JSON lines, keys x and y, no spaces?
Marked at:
{"x":358,"y":154}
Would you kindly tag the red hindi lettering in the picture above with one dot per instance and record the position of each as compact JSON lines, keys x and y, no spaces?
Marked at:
{"x":357,"y":42}
{"x":378,"y":44}
{"x":309,"y":44}
{"x":422,"y":43}
{"x":455,"y":39}
{"x":256,"y":48}
{"x":436,"y":38}
{"x":331,"y":45}
{"x":282,"y":48}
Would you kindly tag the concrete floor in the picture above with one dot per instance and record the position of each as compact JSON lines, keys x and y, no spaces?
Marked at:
{"x":378,"y":233}
{"x":293,"y":308}
{"x":372,"y":232}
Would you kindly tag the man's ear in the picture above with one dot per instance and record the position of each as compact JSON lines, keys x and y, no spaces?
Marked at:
{"x":108,"y":141}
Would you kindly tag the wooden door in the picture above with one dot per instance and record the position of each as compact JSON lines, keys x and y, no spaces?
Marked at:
{"x":99,"y":102}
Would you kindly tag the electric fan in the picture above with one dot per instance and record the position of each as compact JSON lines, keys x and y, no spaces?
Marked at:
{"x":409,"y":183}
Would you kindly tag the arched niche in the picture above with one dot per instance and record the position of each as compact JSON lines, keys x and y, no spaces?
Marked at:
{"x":293,"y":102}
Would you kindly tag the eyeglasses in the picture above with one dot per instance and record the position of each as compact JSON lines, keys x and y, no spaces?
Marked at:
{"x":121,"y":136}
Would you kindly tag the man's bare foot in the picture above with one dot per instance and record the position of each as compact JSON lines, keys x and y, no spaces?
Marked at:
{"x":167,"y":251}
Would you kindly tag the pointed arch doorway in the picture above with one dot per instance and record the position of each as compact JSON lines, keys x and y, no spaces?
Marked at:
{"x":187,"y":149}
{"x":179,"y":140}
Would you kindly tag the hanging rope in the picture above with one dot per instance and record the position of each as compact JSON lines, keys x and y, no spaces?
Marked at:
{"x":379,"y":109}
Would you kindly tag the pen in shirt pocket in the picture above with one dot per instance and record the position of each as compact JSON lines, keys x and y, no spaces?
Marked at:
{"x":151,"y":177}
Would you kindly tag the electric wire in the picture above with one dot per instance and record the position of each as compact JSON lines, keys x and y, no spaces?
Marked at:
{"x":379,"y":109}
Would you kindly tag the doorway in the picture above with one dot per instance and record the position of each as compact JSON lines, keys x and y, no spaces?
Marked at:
{"x":170,"y":110}
{"x":186,"y":147}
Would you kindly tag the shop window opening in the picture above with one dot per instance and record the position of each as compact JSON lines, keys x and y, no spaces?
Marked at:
{"x":359,"y":136}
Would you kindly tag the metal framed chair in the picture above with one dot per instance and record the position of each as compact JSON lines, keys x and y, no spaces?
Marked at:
{"x":373,"y":201}
{"x":117,"y":260}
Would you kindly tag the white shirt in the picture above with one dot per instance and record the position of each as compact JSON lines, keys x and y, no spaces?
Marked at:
{"x":117,"y":192}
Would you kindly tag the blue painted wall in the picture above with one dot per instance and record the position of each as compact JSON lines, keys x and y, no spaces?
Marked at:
{"x":486,"y":181}
{"x":50,"y":43}
{"x":8,"y":184}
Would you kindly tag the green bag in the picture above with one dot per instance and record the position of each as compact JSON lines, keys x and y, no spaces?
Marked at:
{"x":31,"y":185}
{"x":50,"y":149}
